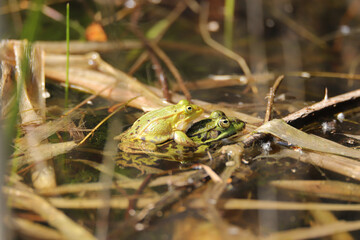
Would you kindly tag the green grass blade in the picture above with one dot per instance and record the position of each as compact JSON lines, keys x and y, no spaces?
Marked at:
{"x":229,"y":22}
{"x":67,"y":53}
{"x":32,"y":21}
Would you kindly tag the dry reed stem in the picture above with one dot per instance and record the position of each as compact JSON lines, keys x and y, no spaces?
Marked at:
{"x":32,"y":108}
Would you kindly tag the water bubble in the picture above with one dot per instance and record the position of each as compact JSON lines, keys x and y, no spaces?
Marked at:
{"x":213,"y":26}
{"x":130,"y":4}
{"x":340,"y":117}
{"x":46,"y":94}
{"x":132,"y":212}
{"x":305,"y":75}
{"x":266,"y":147}
{"x":345,"y":29}
{"x":139,"y":227}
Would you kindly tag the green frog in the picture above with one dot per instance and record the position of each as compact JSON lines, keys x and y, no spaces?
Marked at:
{"x":207,"y":134}
{"x":159,"y":126}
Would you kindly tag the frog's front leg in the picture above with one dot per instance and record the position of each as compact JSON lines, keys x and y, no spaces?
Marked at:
{"x":137,"y":146}
{"x":181,"y":138}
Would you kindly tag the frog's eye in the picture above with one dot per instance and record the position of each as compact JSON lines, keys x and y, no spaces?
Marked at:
{"x":189,"y":109}
{"x":224,"y":123}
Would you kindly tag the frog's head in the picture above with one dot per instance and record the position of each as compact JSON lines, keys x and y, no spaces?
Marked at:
{"x":222,"y":127}
{"x":185,"y":114}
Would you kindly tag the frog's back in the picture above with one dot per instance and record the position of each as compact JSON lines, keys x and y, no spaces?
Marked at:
{"x":149,"y":122}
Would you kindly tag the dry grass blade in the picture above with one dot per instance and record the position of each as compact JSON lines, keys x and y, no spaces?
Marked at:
{"x":34,"y":230}
{"x":81,"y":47}
{"x":298,"y":138}
{"x":178,"y":180}
{"x":118,"y":86}
{"x":97,"y":203}
{"x":315,"y":232}
{"x":326,"y":217}
{"x":30,"y":201}
{"x":345,"y":166}
{"x":121,"y":87}
{"x":326,"y":189}
{"x":231,"y":204}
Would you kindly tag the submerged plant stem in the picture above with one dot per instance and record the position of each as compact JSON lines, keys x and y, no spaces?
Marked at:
{"x":227,"y":52}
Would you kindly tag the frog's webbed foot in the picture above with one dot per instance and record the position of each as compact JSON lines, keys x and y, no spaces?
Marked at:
{"x":181,"y":138}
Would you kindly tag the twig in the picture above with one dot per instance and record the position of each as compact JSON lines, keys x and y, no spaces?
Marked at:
{"x":302,"y":114}
{"x":271,"y":97}
{"x":227,"y":52}
{"x":331,"y":102}
{"x":161,"y":76}
{"x":172,"y":69}
{"x":170,"y":19}
{"x":156,"y":64}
